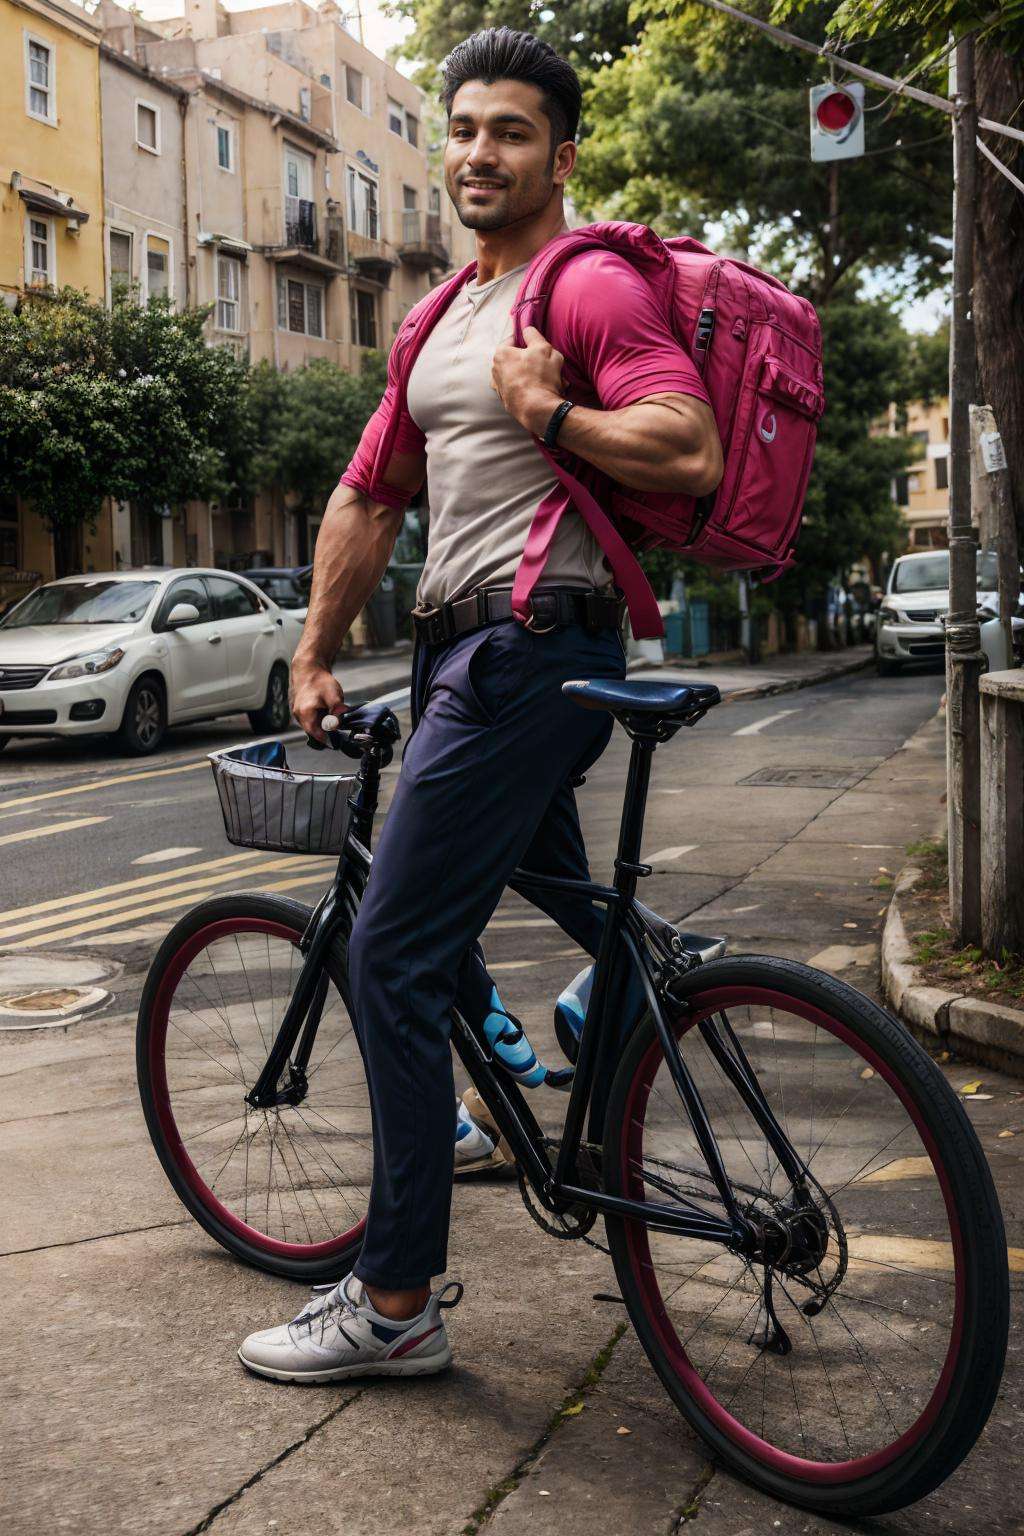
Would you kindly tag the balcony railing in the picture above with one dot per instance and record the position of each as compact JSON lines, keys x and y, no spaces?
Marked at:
{"x":300,"y":223}
{"x":422,"y":240}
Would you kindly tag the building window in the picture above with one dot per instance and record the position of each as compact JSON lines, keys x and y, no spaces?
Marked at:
{"x":40,"y":79}
{"x":300,"y":306}
{"x":40,"y":258}
{"x":362,"y":204}
{"x":355,"y":87}
{"x":942,"y":474}
{"x":229,"y":284}
{"x":147,"y":127}
{"x":396,"y":117}
{"x":225,"y":148}
{"x":363,"y":316}
{"x":435,"y":199}
{"x":120,"y":260}
{"x":412,"y":130}
{"x":158,"y":266}
{"x":900,"y":490}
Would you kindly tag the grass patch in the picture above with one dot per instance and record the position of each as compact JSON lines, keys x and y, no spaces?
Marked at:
{"x":932,"y":858}
{"x":967,"y":968}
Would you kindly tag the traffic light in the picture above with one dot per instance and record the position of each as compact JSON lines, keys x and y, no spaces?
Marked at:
{"x":837,"y":121}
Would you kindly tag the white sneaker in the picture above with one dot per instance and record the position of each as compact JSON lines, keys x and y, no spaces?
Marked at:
{"x":339,"y":1334}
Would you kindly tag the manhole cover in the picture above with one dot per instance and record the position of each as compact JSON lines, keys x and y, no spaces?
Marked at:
{"x":42,"y":1001}
{"x":51,"y":990}
{"x":806,"y":778}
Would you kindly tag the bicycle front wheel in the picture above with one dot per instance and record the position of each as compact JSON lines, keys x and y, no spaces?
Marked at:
{"x":285,"y":1189}
{"x":853,"y":1362}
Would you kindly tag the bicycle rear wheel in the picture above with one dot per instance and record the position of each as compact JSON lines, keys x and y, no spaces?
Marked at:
{"x":853,"y":1364}
{"x":285,"y":1189}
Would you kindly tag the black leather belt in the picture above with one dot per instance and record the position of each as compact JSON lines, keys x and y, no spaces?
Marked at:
{"x":549,"y":607}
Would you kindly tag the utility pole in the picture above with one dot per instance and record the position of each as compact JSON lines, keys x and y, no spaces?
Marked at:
{"x":964,"y":658}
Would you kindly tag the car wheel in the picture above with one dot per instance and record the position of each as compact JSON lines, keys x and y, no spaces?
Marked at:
{"x":144,"y":721}
{"x":3,"y":742}
{"x":276,"y":713}
{"x":888,"y":668}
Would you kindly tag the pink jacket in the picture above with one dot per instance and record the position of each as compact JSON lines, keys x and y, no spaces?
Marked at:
{"x":610,"y":327}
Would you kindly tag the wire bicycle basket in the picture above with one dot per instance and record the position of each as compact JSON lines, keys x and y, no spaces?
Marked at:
{"x":266,"y":804}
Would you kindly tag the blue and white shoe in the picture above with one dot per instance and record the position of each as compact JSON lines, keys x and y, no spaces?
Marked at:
{"x":339,"y":1334}
{"x":479,"y":1145}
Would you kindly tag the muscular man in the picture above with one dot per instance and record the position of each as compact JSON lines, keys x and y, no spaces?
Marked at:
{"x":485,"y":777}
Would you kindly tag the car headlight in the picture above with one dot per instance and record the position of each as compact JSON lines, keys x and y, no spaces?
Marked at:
{"x":893,"y":615}
{"x":89,"y":664}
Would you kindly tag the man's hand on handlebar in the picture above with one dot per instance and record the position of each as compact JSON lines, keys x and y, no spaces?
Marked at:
{"x":315,"y":692}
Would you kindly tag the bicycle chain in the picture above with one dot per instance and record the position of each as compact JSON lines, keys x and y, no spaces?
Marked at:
{"x":582,"y":1225}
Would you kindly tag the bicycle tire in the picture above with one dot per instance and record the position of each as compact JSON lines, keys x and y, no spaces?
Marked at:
{"x":227,"y":915}
{"x":971,"y":1371}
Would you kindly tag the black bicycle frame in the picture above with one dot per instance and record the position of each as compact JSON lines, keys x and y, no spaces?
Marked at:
{"x":631,"y":930}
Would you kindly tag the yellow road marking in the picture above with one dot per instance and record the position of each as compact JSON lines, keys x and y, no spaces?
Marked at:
{"x":900,"y":1168}
{"x":178,"y":896}
{"x":168,"y":877}
{"x":29,"y":833}
{"x":121,"y":778}
{"x":909,"y":1253}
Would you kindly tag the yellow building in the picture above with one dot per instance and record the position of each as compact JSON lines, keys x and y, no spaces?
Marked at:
{"x":922,"y":491}
{"x":51,"y":202}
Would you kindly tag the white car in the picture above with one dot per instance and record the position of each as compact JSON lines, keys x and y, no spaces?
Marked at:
{"x":132,"y":652}
{"x":915,"y":605}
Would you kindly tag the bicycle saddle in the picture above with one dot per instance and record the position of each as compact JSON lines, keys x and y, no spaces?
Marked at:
{"x":678,"y":703}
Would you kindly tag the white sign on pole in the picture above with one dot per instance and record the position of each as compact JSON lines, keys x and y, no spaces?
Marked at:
{"x":837,"y":121}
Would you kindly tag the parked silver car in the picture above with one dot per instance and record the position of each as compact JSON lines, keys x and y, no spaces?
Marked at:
{"x":916,"y":601}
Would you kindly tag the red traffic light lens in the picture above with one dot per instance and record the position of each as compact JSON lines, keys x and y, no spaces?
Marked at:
{"x":836,"y":111}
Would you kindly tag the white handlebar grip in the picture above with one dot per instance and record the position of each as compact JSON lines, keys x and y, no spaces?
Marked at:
{"x":330,"y":723}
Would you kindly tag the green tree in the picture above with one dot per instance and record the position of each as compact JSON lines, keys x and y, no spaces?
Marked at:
{"x":309,"y":421}
{"x":998,"y":299}
{"x":128,"y":402}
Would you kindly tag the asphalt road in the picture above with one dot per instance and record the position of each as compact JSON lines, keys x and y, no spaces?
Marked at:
{"x":127,"y":1410}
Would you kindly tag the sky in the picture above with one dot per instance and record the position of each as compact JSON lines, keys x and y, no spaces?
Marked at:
{"x":381,"y":32}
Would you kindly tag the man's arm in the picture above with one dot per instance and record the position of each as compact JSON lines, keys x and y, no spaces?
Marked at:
{"x":662,"y":443}
{"x":353,"y":547}
{"x":665,"y":441}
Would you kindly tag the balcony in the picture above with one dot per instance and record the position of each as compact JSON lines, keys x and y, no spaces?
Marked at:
{"x":303,"y":246}
{"x":369,"y":257}
{"x":421,"y":240}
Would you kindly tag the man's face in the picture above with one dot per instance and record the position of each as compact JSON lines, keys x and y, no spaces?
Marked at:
{"x":499,"y":134}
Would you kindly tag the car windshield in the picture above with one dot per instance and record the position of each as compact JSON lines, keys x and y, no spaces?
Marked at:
{"x":931,"y":573}
{"x":287,"y":591}
{"x":83,"y":602}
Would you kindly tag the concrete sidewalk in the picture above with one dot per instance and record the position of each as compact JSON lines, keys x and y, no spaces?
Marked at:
{"x":780,"y":674}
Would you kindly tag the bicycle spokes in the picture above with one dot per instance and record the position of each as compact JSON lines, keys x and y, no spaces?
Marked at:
{"x":296,"y":1173}
{"x":827,"y":1338}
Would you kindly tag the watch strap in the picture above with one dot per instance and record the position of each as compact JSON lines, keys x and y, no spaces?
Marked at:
{"x":557,"y":417}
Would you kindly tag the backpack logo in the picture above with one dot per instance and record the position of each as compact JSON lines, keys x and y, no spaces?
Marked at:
{"x":768,"y":428}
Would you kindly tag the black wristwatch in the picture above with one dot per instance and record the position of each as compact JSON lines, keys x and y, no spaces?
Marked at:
{"x":558,"y":416}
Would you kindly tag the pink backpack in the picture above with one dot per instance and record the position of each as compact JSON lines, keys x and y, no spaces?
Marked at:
{"x":758,"y":348}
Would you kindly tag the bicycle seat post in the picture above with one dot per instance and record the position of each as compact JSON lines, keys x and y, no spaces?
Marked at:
{"x":627,"y":861}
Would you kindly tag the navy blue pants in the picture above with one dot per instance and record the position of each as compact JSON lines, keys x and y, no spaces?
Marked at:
{"x":484,"y":787}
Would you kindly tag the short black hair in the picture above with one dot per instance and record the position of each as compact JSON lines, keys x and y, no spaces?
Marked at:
{"x":501,"y":53}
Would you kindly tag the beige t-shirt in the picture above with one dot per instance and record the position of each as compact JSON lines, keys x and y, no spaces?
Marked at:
{"x":485,"y":475}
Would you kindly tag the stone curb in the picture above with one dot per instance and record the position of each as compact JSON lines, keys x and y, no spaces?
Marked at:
{"x":977,"y":1030}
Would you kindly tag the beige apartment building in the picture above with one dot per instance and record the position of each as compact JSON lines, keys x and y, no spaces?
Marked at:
{"x":262,"y":162}
{"x":922,"y":492}
{"x":312,"y":222}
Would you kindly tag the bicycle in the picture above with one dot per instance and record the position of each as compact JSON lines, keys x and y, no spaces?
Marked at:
{"x":802,"y":1223}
